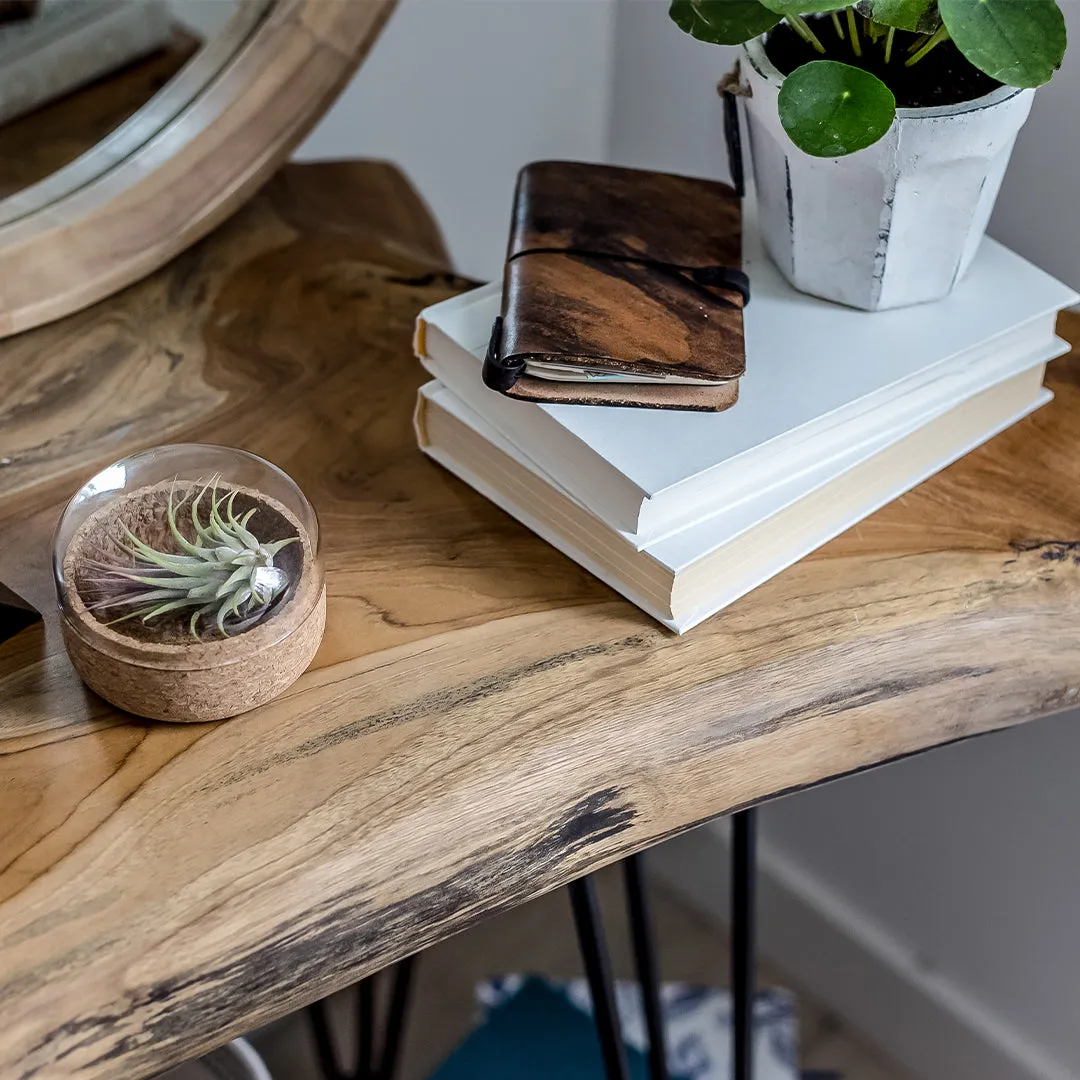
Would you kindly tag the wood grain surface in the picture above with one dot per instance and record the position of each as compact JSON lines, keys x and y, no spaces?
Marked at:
{"x":484,"y":721}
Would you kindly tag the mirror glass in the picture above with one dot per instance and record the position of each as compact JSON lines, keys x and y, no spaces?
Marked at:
{"x":84,"y":83}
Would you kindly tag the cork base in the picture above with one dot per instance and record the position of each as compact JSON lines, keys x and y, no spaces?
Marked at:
{"x":161,"y":673}
{"x":199,"y":694}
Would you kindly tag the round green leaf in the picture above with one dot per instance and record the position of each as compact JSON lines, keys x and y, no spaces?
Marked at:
{"x":831,"y":109}
{"x":1018,"y":42}
{"x":903,"y":14}
{"x":802,"y":7}
{"x":722,"y":22}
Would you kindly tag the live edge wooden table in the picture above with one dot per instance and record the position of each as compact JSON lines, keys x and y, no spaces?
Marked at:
{"x":485,"y":721}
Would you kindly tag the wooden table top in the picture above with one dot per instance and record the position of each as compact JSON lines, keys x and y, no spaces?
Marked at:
{"x":484,"y":721}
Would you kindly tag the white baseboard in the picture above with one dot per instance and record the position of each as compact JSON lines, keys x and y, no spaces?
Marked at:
{"x":935,"y":1029}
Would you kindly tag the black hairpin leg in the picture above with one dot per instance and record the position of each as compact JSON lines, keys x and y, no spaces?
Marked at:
{"x":366,"y":1068}
{"x":641,"y":937}
{"x":743,"y":853}
{"x":598,"y":972}
{"x":324,"y":1042}
{"x":395,"y":1018}
{"x":365,"y":1029}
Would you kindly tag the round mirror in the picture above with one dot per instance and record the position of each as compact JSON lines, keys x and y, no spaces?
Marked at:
{"x":130,"y":128}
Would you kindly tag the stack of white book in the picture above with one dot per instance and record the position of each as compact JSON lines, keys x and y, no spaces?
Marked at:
{"x":840,"y":412}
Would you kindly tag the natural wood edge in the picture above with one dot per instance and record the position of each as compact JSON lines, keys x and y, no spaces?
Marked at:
{"x":194,"y":172}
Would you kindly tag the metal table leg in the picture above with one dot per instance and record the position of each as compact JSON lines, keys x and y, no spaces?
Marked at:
{"x":319,"y":1016}
{"x":396,"y":1017}
{"x":641,"y":936}
{"x":368,"y":1066}
{"x":365,"y":1029}
{"x":743,"y":951}
{"x":594,"y":954}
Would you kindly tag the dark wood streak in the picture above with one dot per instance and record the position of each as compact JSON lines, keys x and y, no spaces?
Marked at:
{"x":435,"y":704}
{"x":335,"y":931}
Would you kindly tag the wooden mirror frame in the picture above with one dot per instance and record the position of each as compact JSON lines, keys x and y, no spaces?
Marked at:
{"x":136,"y":212}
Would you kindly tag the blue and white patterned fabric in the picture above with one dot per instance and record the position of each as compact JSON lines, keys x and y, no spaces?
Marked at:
{"x":697,"y":1023}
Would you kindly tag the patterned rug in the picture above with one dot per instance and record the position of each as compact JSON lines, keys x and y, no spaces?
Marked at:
{"x":534,"y":1028}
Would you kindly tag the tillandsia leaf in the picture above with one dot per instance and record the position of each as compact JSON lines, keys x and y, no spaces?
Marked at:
{"x":831,"y":109}
{"x":1017,"y":42}
{"x":226,"y":574}
{"x":142,"y":599}
{"x":163,"y":609}
{"x":722,"y":22}
{"x":227,"y":587}
{"x":196,"y":616}
{"x":201,"y":532}
{"x":177,"y":564}
{"x":178,"y":536}
{"x":236,"y":526}
{"x":278,"y":545}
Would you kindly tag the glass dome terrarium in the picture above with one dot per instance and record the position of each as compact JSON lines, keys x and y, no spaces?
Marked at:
{"x":189,"y":582}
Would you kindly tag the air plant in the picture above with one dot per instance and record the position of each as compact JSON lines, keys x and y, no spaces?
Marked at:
{"x":227,"y":575}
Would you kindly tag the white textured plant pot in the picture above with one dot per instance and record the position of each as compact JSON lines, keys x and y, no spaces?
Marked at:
{"x":897,"y":223}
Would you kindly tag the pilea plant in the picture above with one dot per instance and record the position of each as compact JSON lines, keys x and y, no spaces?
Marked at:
{"x":226,"y":577}
{"x":849,"y":66}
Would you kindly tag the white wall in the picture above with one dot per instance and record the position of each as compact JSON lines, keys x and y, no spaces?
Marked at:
{"x":969,"y":856}
{"x":665,"y":110}
{"x":462,"y":93}
{"x":1036,"y":210}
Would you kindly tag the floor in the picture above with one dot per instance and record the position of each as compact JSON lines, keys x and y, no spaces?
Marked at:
{"x":539,"y":937}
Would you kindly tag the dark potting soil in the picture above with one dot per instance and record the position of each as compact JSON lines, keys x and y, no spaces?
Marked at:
{"x":943,"y":77}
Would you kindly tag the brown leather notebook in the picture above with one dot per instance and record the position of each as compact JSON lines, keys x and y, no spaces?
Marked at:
{"x":622,"y":287}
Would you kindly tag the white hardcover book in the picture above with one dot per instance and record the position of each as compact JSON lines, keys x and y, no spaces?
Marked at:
{"x":821,"y":380}
{"x":691,"y":575}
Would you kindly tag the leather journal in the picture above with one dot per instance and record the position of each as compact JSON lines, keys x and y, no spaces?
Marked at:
{"x":621,"y":287}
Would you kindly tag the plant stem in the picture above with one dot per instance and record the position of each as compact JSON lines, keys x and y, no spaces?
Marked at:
{"x":939,"y":35}
{"x":804,"y":31}
{"x":888,"y":43}
{"x":853,"y":30}
{"x":836,"y":23}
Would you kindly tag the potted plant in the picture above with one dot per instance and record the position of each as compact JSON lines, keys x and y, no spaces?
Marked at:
{"x":189,"y":582}
{"x":880,"y":130}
